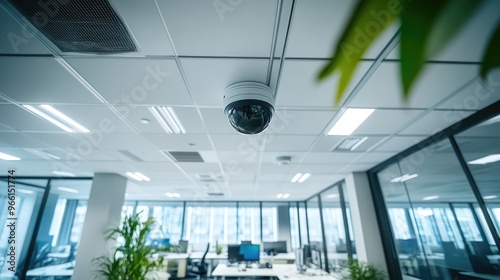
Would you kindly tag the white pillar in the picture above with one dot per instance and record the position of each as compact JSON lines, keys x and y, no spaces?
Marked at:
{"x":103,"y":212}
{"x":364,"y":221}
{"x":284,"y":225}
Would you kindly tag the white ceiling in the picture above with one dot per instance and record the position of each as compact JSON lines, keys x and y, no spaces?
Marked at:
{"x":199,"y":50}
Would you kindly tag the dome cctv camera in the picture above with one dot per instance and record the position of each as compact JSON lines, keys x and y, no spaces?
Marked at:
{"x":249,"y":106}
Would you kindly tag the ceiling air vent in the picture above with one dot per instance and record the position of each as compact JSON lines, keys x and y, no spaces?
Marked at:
{"x":349,"y":144}
{"x":83,"y":26}
{"x":215,"y":194}
{"x":185,"y":156}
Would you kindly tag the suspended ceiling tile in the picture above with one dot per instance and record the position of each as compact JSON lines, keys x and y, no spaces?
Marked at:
{"x":399,"y":143}
{"x":216,"y":121}
{"x":331,"y":157}
{"x":474,"y":96}
{"x":299,"y":122}
{"x":435,"y":83}
{"x":318,"y":25}
{"x":199,"y":168}
{"x":21,"y":140}
{"x":124,"y":141}
{"x":375,"y":157}
{"x":299,"y":86}
{"x":151,"y":34}
{"x":220,"y":28}
{"x":209,"y":77}
{"x":16,"y":38}
{"x":60,"y":140}
{"x":4,"y":128}
{"x":237,"y":142}
{"x":149,"y":168}
{"x":179,"y":142}
{"x":296,"y":143}
{"x":134,"y":80}
{"x":435,"y":121}
{"x":48,"y":82}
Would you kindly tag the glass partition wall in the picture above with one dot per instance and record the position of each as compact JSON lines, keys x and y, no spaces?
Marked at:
{"x":50,"y":213}
{"x":442,"y":199}
{"x":325,"y":226}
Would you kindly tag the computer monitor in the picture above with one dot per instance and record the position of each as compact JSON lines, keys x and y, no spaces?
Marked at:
{"x":246,"y":242}
{"x":233,"y":253}
{"x":268,"y":247}
{"x":280,"y":247}
{"x":159,"y":243}
{"x":250,"y":252}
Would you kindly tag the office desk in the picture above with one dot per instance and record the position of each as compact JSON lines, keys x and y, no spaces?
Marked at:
{"x":181,"y":260}
{"x":65,"y":269}
{"x":281,"y":257}
{"x":280,"y":271}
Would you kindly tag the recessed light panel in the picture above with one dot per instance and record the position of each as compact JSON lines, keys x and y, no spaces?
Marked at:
{"x":350,"y":120}
{"x":486,"y":159}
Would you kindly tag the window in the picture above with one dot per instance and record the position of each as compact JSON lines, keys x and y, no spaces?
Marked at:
{"x":269,"y":223}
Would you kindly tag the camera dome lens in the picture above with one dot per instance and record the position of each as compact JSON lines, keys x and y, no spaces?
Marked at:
{"x":250,"y":119}
{"x":249,"y":106}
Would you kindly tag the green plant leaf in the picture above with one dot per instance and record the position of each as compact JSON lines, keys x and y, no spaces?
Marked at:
{"x":491,"y":58}
{"x":368,"y":21}
{"x":417,"y":20}
{"x":454,"y":16}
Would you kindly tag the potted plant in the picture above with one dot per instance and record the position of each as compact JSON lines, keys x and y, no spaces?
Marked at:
{"x":356,"y":270}
{"x":132,"y":258}
{"x":218,"y":249}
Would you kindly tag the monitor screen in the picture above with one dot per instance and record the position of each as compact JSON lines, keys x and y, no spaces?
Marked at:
{"x":159,"y":243}
{"x":233,"y":253}
{"x":250,"y":252}
{"x":280,"y":247}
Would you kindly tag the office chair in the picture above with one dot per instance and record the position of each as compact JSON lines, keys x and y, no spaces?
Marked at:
{"x":201,"y":268}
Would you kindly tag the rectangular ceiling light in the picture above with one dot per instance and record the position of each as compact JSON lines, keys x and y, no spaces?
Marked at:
{"x":404,"y":178}
{"x":63,"y":173}
{"x":304,"y":177}
{"x":296,"y":177}
{"x":167,"y":119}
{"x":172,"y":194}
{"x":350,"y":120}
{"x":25,"y":191}
{"x":133,"y":176}
{"x":57,"y":118}
{"x":65,"y":118}
{"x":486,"y":159}
{"x":8,"y":157}
{"x":299,"y":177}
{"x":67,"y":190}
{"x":431,"y":197}
{"x":142,"y":176}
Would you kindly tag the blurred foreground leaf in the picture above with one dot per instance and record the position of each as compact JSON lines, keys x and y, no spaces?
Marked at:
{"x":369,"y":20}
